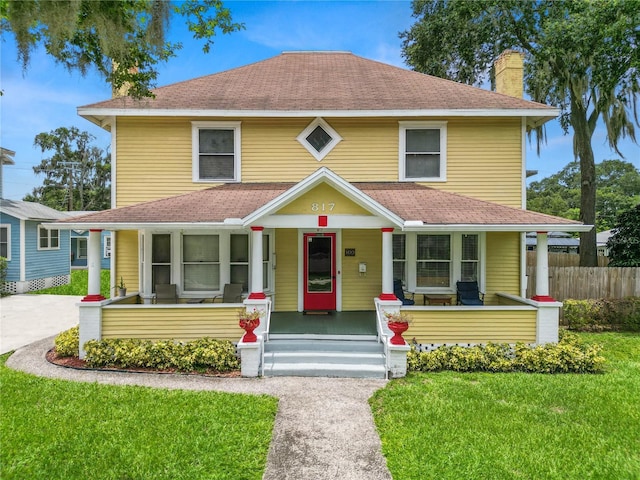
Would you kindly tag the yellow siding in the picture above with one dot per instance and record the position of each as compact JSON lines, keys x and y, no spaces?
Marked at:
{"x":327,"y":200}
{"x":286,"y":270}
{"x":358,"y":290}
{"x":127,"y":259}
{"x":154,"y":155}
{"x":179,"y":323}
{"x":473,"y":326}
{"x":502,"y":265}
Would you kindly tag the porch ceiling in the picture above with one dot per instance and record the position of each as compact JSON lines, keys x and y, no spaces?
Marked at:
{"x":232,"y":206}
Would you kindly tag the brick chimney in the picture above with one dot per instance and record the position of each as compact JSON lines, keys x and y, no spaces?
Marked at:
{"x":509,"y":73}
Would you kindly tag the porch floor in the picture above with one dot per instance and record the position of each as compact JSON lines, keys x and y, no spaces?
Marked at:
{"x":335,"y":323}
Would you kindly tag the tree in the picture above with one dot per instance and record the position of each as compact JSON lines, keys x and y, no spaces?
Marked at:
{"x":77,"y":175}
{"x":618,"y":189}
{"x":624,"y":244}
{"x":123,"y":40}
{"x":581,"y":56}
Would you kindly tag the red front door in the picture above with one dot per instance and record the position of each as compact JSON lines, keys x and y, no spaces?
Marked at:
{"x":319,"y":271}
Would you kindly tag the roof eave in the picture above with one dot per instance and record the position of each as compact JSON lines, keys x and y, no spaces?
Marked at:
{"x":115,"y":226}
{"x":418,"y":226}
{"x":535,"y":116}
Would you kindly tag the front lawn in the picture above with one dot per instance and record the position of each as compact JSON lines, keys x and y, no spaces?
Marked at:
{"x":54,"y":429}
{"x":79,"y":285}
{"x":451,"y":425}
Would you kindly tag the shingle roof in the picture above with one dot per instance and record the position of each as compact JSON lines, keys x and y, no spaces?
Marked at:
{"x":410,"y":201}
{"x":29,"y":210}
{"x":319,"y":81}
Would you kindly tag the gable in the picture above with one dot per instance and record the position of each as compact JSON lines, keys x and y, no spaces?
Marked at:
{"x":322,"y":200}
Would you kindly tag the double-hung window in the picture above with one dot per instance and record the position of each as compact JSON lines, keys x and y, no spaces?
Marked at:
{"x":160,"y":259}
{"x":239,"y":260}
{"x":423,"y":151}
{"x":433,"y":268}
{"x":470,"y":262}
{"x":48,"y":239}
{"x":400,"y":258}
{"x":434,"y":262}
{"x":216,"y":151}
{"x":201,"y":262}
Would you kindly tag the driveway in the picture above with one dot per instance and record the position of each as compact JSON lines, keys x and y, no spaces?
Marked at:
{"x":28,"y":318}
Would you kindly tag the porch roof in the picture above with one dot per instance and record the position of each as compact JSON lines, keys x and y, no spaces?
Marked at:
{"x":233,"y":205}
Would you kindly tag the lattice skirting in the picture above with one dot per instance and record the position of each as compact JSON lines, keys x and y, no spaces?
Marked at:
{"x":36,"y":284}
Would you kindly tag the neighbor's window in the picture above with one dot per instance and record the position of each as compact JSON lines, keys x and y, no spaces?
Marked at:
{"x":48,"y":239}
{"x":201,"y":262}
{"x":422,"y":151}
{"x":160,"y":259}
{"x":216,"y":151}
{"x":5,"y":241}
{"x":82,"y":248}
{"x":433,"y":265}
{"x":107,"y":246}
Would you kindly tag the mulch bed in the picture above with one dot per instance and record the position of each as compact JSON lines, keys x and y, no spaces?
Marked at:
{"x":76,"y":363}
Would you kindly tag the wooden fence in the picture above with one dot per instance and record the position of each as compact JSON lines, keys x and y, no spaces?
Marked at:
{"x":564,"y":260}
{"x":588,"y":282}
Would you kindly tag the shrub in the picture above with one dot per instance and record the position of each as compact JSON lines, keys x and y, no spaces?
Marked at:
{"x":3,"y":276}
{"x":604,"y":314}
{"x":67,"y":342}
{"x":569,"y":355}
{"x":198,"y":355}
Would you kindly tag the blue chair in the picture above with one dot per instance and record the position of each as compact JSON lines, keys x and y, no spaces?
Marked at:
{"x":468,"y":294}
{"x":398,"y":291}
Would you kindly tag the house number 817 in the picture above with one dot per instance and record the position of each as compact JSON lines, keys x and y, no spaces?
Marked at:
{"x":322,"y":207}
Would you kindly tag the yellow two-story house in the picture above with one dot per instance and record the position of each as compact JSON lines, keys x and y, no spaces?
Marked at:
{"x":328,"y":189}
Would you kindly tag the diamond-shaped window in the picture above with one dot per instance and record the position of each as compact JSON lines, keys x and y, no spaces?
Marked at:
{"x":319,"y":138}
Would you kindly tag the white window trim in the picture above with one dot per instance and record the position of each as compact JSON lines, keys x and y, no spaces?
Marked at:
{"x":455,"y":272}
{"x":409,"y":125}
{"x":106,"y":247}
{"x":335,"y":138}
{"x":8,"y":227}
{"x":195,"y":150}
{"x":48,"y":247}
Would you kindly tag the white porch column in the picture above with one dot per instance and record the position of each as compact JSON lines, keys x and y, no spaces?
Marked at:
{"x":147,"y":294}
{"x":542,"y":269}
{"x":257,"y":292}
{"x":93,"y":262}
{"x":387,"y":265}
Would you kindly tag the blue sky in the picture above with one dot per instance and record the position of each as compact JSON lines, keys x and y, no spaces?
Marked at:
{"x":46,"y":96}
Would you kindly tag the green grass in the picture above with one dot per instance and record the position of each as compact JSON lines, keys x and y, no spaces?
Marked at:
{"x":54,"y":429}
{"x":79,"y":285}
{"x":516,"y":426}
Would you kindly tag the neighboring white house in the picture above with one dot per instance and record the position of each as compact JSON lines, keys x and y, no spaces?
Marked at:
{"x":601,"y":241}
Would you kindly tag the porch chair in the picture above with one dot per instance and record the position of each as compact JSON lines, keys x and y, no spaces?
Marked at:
{"x":232,"y":293}
{"x":166,"y":293}
{"x":398,"y":291}
{"x":468,"y":293}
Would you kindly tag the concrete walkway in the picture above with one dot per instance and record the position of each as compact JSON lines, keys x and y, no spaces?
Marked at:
{"x":27,"y":318}
{"x":323,"y":429}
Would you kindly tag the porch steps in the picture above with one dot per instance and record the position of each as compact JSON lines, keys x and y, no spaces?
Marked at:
{"x":324,"y":358}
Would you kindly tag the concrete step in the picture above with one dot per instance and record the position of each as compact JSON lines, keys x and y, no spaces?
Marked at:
{"x":324,"y":370}
{"x":323,"y":346}
{"x":324,"y":358}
